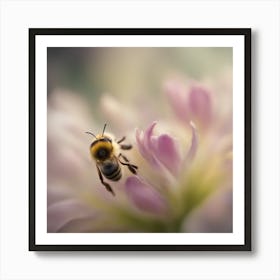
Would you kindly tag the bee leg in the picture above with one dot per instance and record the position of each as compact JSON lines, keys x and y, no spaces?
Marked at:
{"x":131,"y":167}
{"x":121,"y":140}
{"x":107,"y":186}
{"x":126,"y":147}
{"x":126,"y":159}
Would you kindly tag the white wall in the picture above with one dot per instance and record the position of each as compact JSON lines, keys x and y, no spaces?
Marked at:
{"x":17,"y":262}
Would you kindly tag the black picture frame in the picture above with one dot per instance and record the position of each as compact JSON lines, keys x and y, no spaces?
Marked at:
{"x":246,"y":32}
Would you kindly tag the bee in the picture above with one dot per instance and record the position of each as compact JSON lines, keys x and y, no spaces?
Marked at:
{"x":106,"y":153}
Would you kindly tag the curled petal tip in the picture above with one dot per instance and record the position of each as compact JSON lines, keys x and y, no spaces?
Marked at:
{"x":148,"y":133}
{"x":145,"y":143}
{"x":150,"y":128}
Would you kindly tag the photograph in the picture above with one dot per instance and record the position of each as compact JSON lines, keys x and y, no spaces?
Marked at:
{"x":136,"y":136}
{"x":139,"y":140}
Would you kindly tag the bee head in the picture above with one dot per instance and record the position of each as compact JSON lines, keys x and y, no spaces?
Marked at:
{"x":102,"y":148}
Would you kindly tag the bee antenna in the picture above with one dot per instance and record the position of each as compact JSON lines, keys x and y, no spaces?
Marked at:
{"x":104,"y":129}
{"x":91,"y":134}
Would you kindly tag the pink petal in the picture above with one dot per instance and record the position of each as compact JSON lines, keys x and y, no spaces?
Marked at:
{"x":148,"y":135}
{"x":144,"y":196}
{"x":145,"y":143}
{"x":200,"y":104}
{"x":63,"y":212}
{"x":168,"y":154}
{"x":177,"y":96}
{"x":215,"y":215}
{"x":82,"y":225}
{"x":154,"y":141}
{"x":56,"y":193}
{"x":193,"y":148}
{"x":140,"y":142}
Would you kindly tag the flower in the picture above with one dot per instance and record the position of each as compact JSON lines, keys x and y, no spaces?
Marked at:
{"x":162,"y":151}
{"x":144,"y":196}
{"x":190,"y":104}
{"x":184,"y":162}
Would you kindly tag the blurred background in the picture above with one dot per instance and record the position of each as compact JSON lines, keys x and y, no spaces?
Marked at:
{"x":124,"y":87}
{"x":128,"y":73}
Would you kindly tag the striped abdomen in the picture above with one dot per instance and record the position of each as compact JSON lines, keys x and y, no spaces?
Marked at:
{"x":111,"y":169}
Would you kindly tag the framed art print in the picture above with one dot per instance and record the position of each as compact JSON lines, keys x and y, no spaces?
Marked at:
{"x":140,"y":139}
